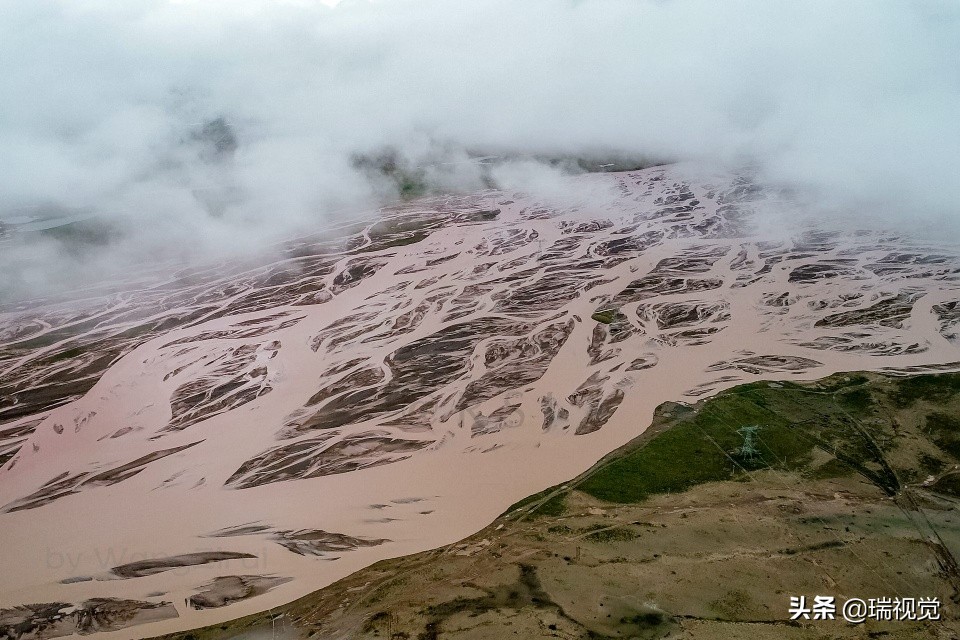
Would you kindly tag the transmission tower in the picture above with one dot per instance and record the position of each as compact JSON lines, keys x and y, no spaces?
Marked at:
{"x":748,"y":450}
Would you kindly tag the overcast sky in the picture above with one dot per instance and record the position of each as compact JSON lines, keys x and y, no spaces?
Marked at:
{"x":103,"y":101}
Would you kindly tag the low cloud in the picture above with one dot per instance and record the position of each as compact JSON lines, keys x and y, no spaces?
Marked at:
{"x":203,"y":127}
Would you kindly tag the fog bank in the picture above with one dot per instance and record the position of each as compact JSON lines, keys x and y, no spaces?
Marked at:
{"x":209,"y":127}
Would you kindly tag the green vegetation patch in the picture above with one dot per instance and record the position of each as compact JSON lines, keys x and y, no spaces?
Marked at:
{"x":845,"y":424}
{"x":605,"y":316}
{"x":949,"y":485}
{"x":601,"y":533}
{"x":705,"y":447}
{"x":944,"y":430}
{"x":936,"y":389}
{"x":546,"y":503}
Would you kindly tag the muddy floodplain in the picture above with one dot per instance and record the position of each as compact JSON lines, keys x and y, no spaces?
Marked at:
{"x":394,"y":386}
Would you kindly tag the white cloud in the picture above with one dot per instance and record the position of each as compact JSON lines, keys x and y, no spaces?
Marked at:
{"x":857,"y":100}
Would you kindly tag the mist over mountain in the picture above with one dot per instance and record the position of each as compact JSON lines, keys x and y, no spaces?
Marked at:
{"x":199,"y":129}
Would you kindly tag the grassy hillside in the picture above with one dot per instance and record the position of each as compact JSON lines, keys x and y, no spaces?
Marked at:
{"x":699,"y":528}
